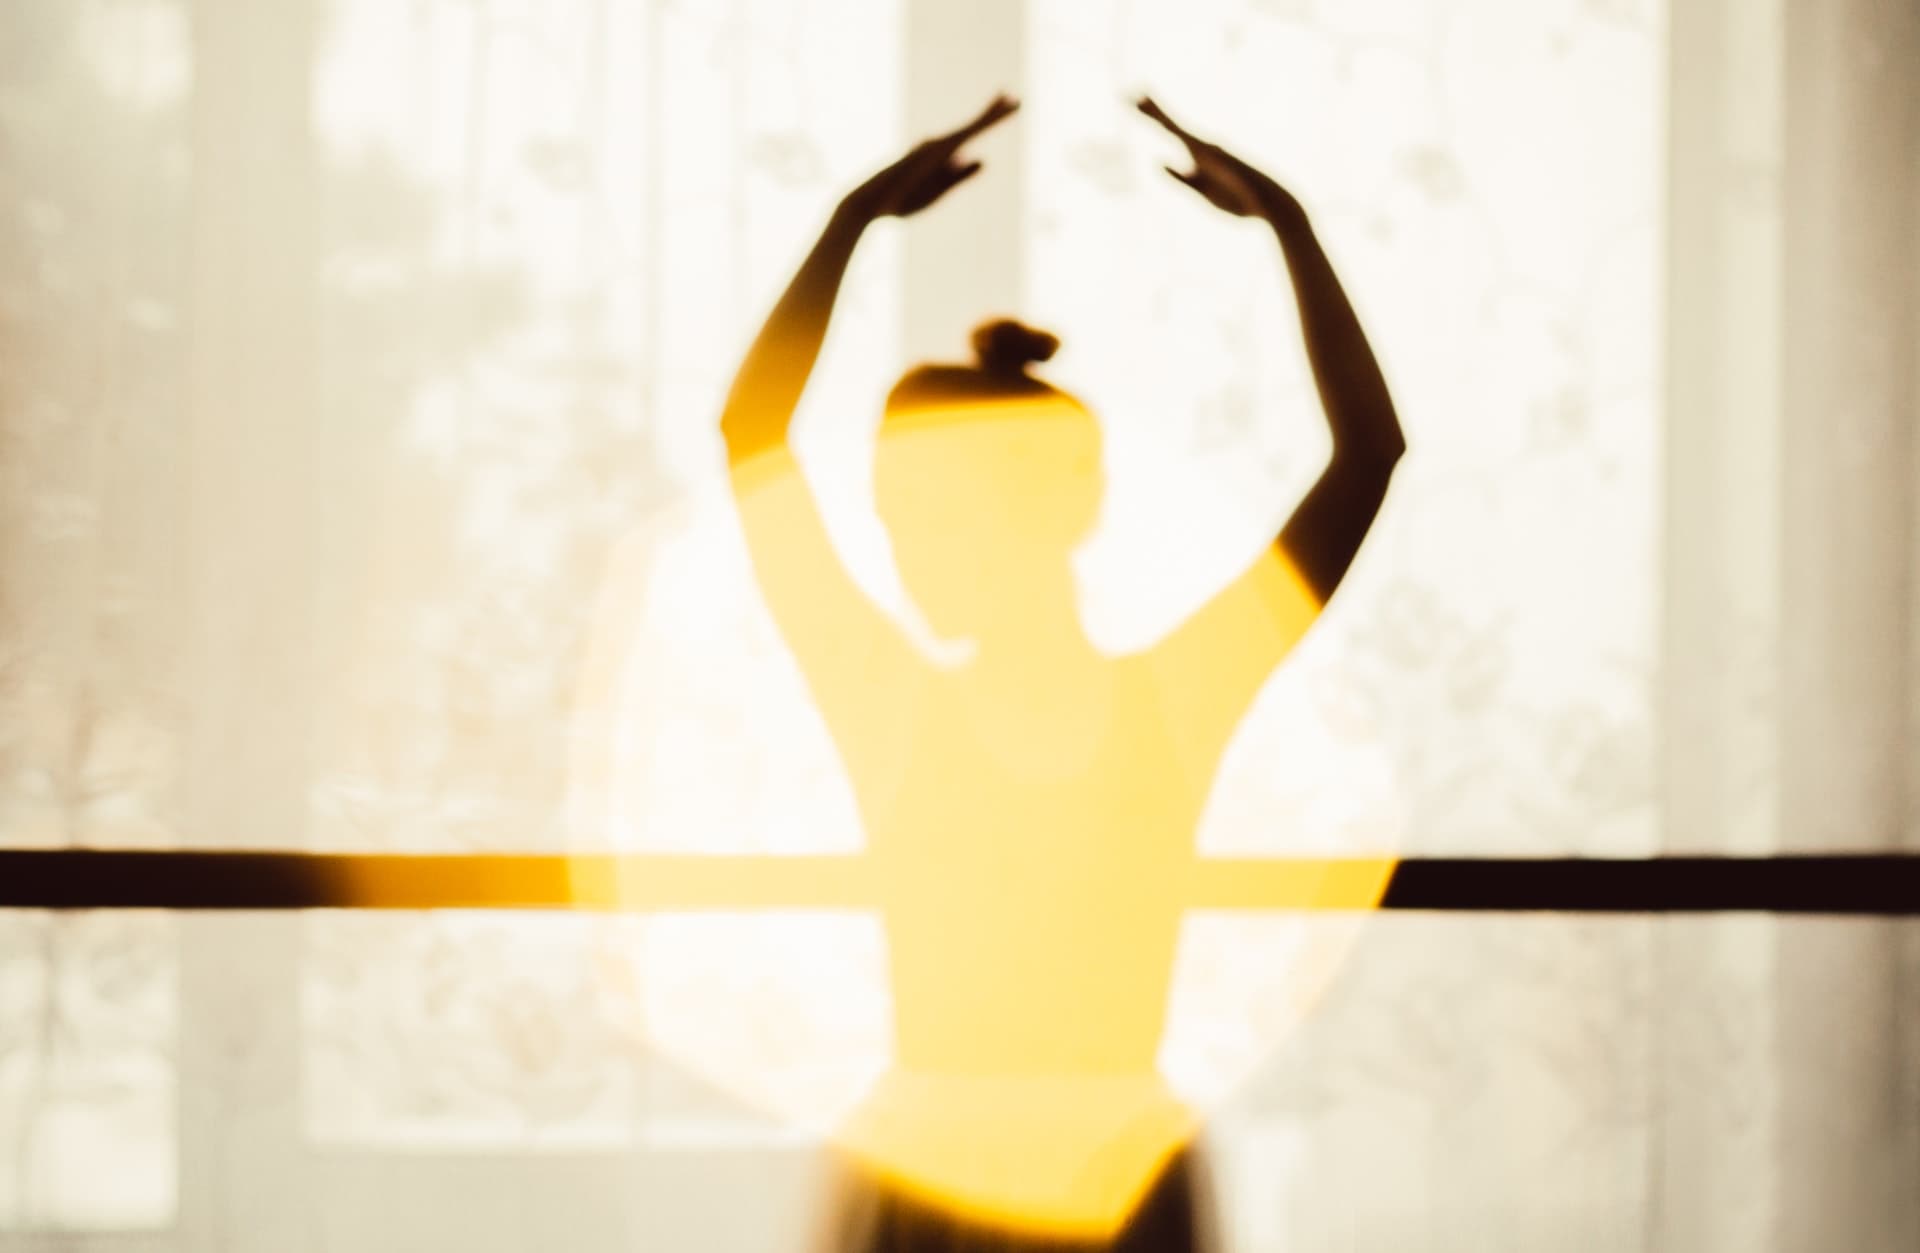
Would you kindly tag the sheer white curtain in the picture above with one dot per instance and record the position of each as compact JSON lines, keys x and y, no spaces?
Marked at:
{"x":357,"y":365}
{"x":1788,"y":1084}
{"x":1489,"y":180}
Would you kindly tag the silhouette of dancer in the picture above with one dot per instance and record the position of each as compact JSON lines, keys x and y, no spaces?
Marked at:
{"x":1028,"y":808}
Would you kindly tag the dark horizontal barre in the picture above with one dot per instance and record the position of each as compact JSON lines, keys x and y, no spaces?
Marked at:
{"x":1885,"y":884}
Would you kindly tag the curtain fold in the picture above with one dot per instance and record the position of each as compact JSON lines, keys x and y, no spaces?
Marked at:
{"x":357,"y":362}
{"x":1786,"y":1061}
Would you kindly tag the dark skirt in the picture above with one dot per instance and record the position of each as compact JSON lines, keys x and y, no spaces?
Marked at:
{"x":869,"y":1215}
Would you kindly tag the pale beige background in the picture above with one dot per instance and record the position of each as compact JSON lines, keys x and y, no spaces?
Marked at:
{"x":358,"y":360}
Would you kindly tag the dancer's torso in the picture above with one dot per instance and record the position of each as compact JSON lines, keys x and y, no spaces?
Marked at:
{"x":1033,"y":841}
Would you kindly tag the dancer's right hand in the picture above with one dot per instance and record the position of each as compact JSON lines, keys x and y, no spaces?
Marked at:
{"x":1227,"y":182}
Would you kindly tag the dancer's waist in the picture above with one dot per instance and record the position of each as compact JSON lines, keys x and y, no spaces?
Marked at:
{"x":1067,"y":1152}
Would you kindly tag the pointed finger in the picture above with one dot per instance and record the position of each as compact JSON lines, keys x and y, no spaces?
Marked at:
{"x":1152,"y":109}
{"x":998,"y":110}
{"x":1192,"y":180}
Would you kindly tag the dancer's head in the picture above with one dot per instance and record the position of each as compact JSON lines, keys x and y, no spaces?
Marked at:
{"x":987,"y":478}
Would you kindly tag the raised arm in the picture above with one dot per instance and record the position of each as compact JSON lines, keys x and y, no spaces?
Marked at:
{"x":833,"y":630}
{"x":1325,"y":531}
{"x":1219,"y":657}
{"x":768,"y":385}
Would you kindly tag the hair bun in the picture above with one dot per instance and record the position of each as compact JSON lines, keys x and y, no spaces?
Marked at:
{"x":1009,"y":347}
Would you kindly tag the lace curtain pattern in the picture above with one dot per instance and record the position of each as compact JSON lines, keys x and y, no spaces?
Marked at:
{"x":539,"y":234}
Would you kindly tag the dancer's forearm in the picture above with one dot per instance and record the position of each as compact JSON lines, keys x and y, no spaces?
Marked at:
{"x":767,"y":389}
{"x":1353,"y":394}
